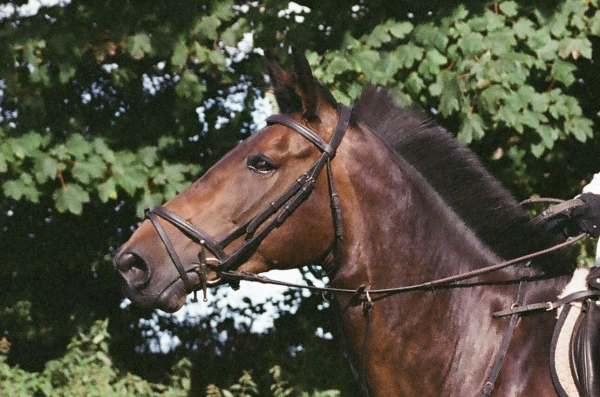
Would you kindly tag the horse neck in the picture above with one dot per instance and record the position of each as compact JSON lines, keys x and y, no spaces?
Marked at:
{"x":398,"y":229}
{"x":399,"y":232}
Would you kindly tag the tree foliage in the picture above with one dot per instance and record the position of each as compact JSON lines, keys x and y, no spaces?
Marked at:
{"x":108,"y":107}
{"x":87,"y":370}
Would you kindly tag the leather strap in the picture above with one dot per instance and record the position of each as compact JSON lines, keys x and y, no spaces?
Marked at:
{"x":490,"y":384}
{"x":548,"y":306}
{"x":189,"y":286}
{"x":190,"y":230}
{"x":557,"y":209}
{"x":302,"y":130}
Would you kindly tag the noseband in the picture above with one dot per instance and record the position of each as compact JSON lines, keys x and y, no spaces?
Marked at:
{"x":271,"y":217}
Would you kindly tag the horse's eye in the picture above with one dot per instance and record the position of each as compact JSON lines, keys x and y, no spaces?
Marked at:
{"x":260,"y":164}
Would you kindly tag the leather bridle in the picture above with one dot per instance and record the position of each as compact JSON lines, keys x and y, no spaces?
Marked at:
{"x":271,"y":217}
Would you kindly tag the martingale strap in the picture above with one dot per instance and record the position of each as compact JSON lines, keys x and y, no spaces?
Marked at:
{"x":488,"y":387}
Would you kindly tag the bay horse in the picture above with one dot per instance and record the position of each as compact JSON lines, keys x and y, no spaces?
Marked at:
{"x":381,"y":198}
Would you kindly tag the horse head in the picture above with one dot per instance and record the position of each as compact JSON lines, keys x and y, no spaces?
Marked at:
{"x":234,"y":203}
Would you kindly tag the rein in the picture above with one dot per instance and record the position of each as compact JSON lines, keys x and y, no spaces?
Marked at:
{"x":272,"y":216}
{"x":426,"y":286}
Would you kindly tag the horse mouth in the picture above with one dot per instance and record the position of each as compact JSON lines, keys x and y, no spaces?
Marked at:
{"x":173,"y":296}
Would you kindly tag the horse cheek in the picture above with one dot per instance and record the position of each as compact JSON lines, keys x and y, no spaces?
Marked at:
{"x":303,"y":239}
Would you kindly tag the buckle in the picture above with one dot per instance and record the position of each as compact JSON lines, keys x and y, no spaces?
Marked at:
{"x":202,"y":270}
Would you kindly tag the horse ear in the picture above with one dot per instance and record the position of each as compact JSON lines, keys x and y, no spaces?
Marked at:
{"x":299,"y":92}
{"x":307,"y":87}
{"x":283,"y":87}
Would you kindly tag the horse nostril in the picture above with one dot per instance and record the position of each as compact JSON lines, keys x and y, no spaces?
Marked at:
{"x":133,"y":269}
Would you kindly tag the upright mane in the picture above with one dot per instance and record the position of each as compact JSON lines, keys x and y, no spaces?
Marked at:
{"x":458,"y":176}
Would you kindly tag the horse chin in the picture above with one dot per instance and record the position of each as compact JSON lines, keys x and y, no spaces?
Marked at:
{"x":171,"y":302}
{"x":170,"y":299}
{"x":173,"y":297}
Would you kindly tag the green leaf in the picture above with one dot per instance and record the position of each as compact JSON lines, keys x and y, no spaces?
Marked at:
{"x":338,"y":65}
{"x":538,"y":149}
{"x":389,"y":65}
{"x":378,"y":36}
{"x":44,"y":168}
{"x":3,"y":163}
{"x":400,"y":29}
{"x":24,"y":187}
{"x":532,"y":119}
{"x":430,"y":65}
{"x":558,"y":25}
{"x":66,"y":72}
{"x":78,"y":146}
{"x":223,"y":9}
{"x":491,"y":98}
{"x":510,"y":117}
{"x":354,"y":91}
{"x":414,"y":84}
{"x":446,"y":87}
{"x":407,"y":54}
{"x":575,"y":47}
{"x":190,"y":87}
{"x":501,"y":41}
{"x":472,"y":129}
{"x":27,"y":145}
{"x":201,"y":52}
{"x":132,"y":179}
{"x":430,"y":36}
{"x":207,"y":27}
{"x":523,"y":28}
{"x":40,"y":75}
{"x":139,"y":45}
{"x":367,"y":60}
{"x":87,"y":170}
{"x":70,"y":198}
{"x":580,"y":127}
{"x":218,"y":59}
{"x":594,"y":24}
{"x":509,"y":8}
{"x":548,"y":134}
{"x":234,"y":34}
{"x":107,"y":190}
{"x":493,"y":21}
{"x":563,"y":72}
{"x":103,"y":150}
{"x":435,"y":57}
{"x":539,"y":102}
{"x":148,"y":156}
{"x":547,"y":52}
{"x":472,"y":43}
{"x":180,"y":55}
